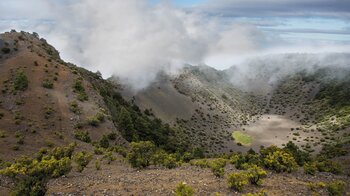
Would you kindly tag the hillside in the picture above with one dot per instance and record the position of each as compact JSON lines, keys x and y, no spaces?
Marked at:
{"x":202,"y":101}
{"x":43,"y":100}
{"x":271,"y":105}
{"x":80,"y":134}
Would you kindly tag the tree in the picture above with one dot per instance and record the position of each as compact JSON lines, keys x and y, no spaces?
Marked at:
{"x":125,"y":124}
{"x":141,"y":154}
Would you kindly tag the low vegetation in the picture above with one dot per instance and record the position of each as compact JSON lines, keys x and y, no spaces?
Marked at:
{"x":97,"y":119}
{"x":279,"y":160}
{"x":31,"y":174}
{"x":74,"y":107}
{"x":20,"y":81}
{"x":334,"y":188}
{"x":254,"y":175}
{"x":79,"y":89}
{"x":47,"y":84}
{"x":82,"y":159}
{"x":183,"y":190}
{"x":82,"y":136}
{"x":145,"y":153}
{"x":237,"y":180}
{"x":216,"y":165}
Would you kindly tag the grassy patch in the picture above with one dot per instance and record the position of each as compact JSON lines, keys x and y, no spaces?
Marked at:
{"x":242,"y":138}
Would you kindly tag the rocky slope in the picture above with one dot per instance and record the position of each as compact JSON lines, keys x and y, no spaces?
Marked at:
{"x":47,"y":108}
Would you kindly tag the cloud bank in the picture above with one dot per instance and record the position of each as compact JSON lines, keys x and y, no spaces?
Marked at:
{"x":134,"y":39}
{"x":279,"y":8}
{"x":262,"y":74}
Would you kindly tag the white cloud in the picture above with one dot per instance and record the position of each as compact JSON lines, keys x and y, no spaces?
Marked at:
{"x":135,"y":40}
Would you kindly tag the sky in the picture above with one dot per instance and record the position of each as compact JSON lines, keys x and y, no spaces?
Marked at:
{"x":136,"y":39}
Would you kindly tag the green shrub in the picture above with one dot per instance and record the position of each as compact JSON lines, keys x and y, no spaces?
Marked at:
{"x":2,"y":134}
{"x":98,"y":150}
{"x":141,"y":154}
{"x":109,"y":157}
{"x":31,"y":174}
{"x":93,"y":121}
{"x":121,"y":150}
{"x":158,"y":157}
{"x":238,"y":180}
{"x":242,"y":160}
{"x":256,"y":174}
{"x":218,"y":171}
{"x":20,"y":140}
{"x":21,"y":81}
{"x":104,"y":143}
{"x":96,"y":120}
{"x":161,"y":158}
{"x":15,"y":148}
{"x":48,"y":111}
{"x":269,"y":150}
{"x":82,"y":159}
{"x":329,"y":166}
{"x":60,"y":152}
{"x":183,"y":190}
{"x":330,"y":151}
{"x":217,"y":166}
{"x":315,"y":187}
{"x":170,"y":161}
{"x":310,"y":168}
{"x":30,"y":186}
{"x":336,"y":188}
{"x":74,"y":107}
{"x":100,"y":116}
{"x":82,"y":136}
{"x":187,"y":157}
{"x":202,"y":163}
{"x":98,"y":165}
{"x":260,"y":193}
{"x":47,"y":84}
{"x":198,"y":153}
{"x":300,"y":156}
{"x":112,"y":136}
{"x":48,"y":166}
{"x":280,"y":161}
{"x":79,"y":89}
{"x":78,"y":125}
{"x":82,"y":97}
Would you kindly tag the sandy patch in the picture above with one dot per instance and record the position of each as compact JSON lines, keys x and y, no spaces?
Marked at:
{"x":270,"y":130}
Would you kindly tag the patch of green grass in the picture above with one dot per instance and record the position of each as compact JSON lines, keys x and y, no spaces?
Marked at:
{"x":242,"y":138}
